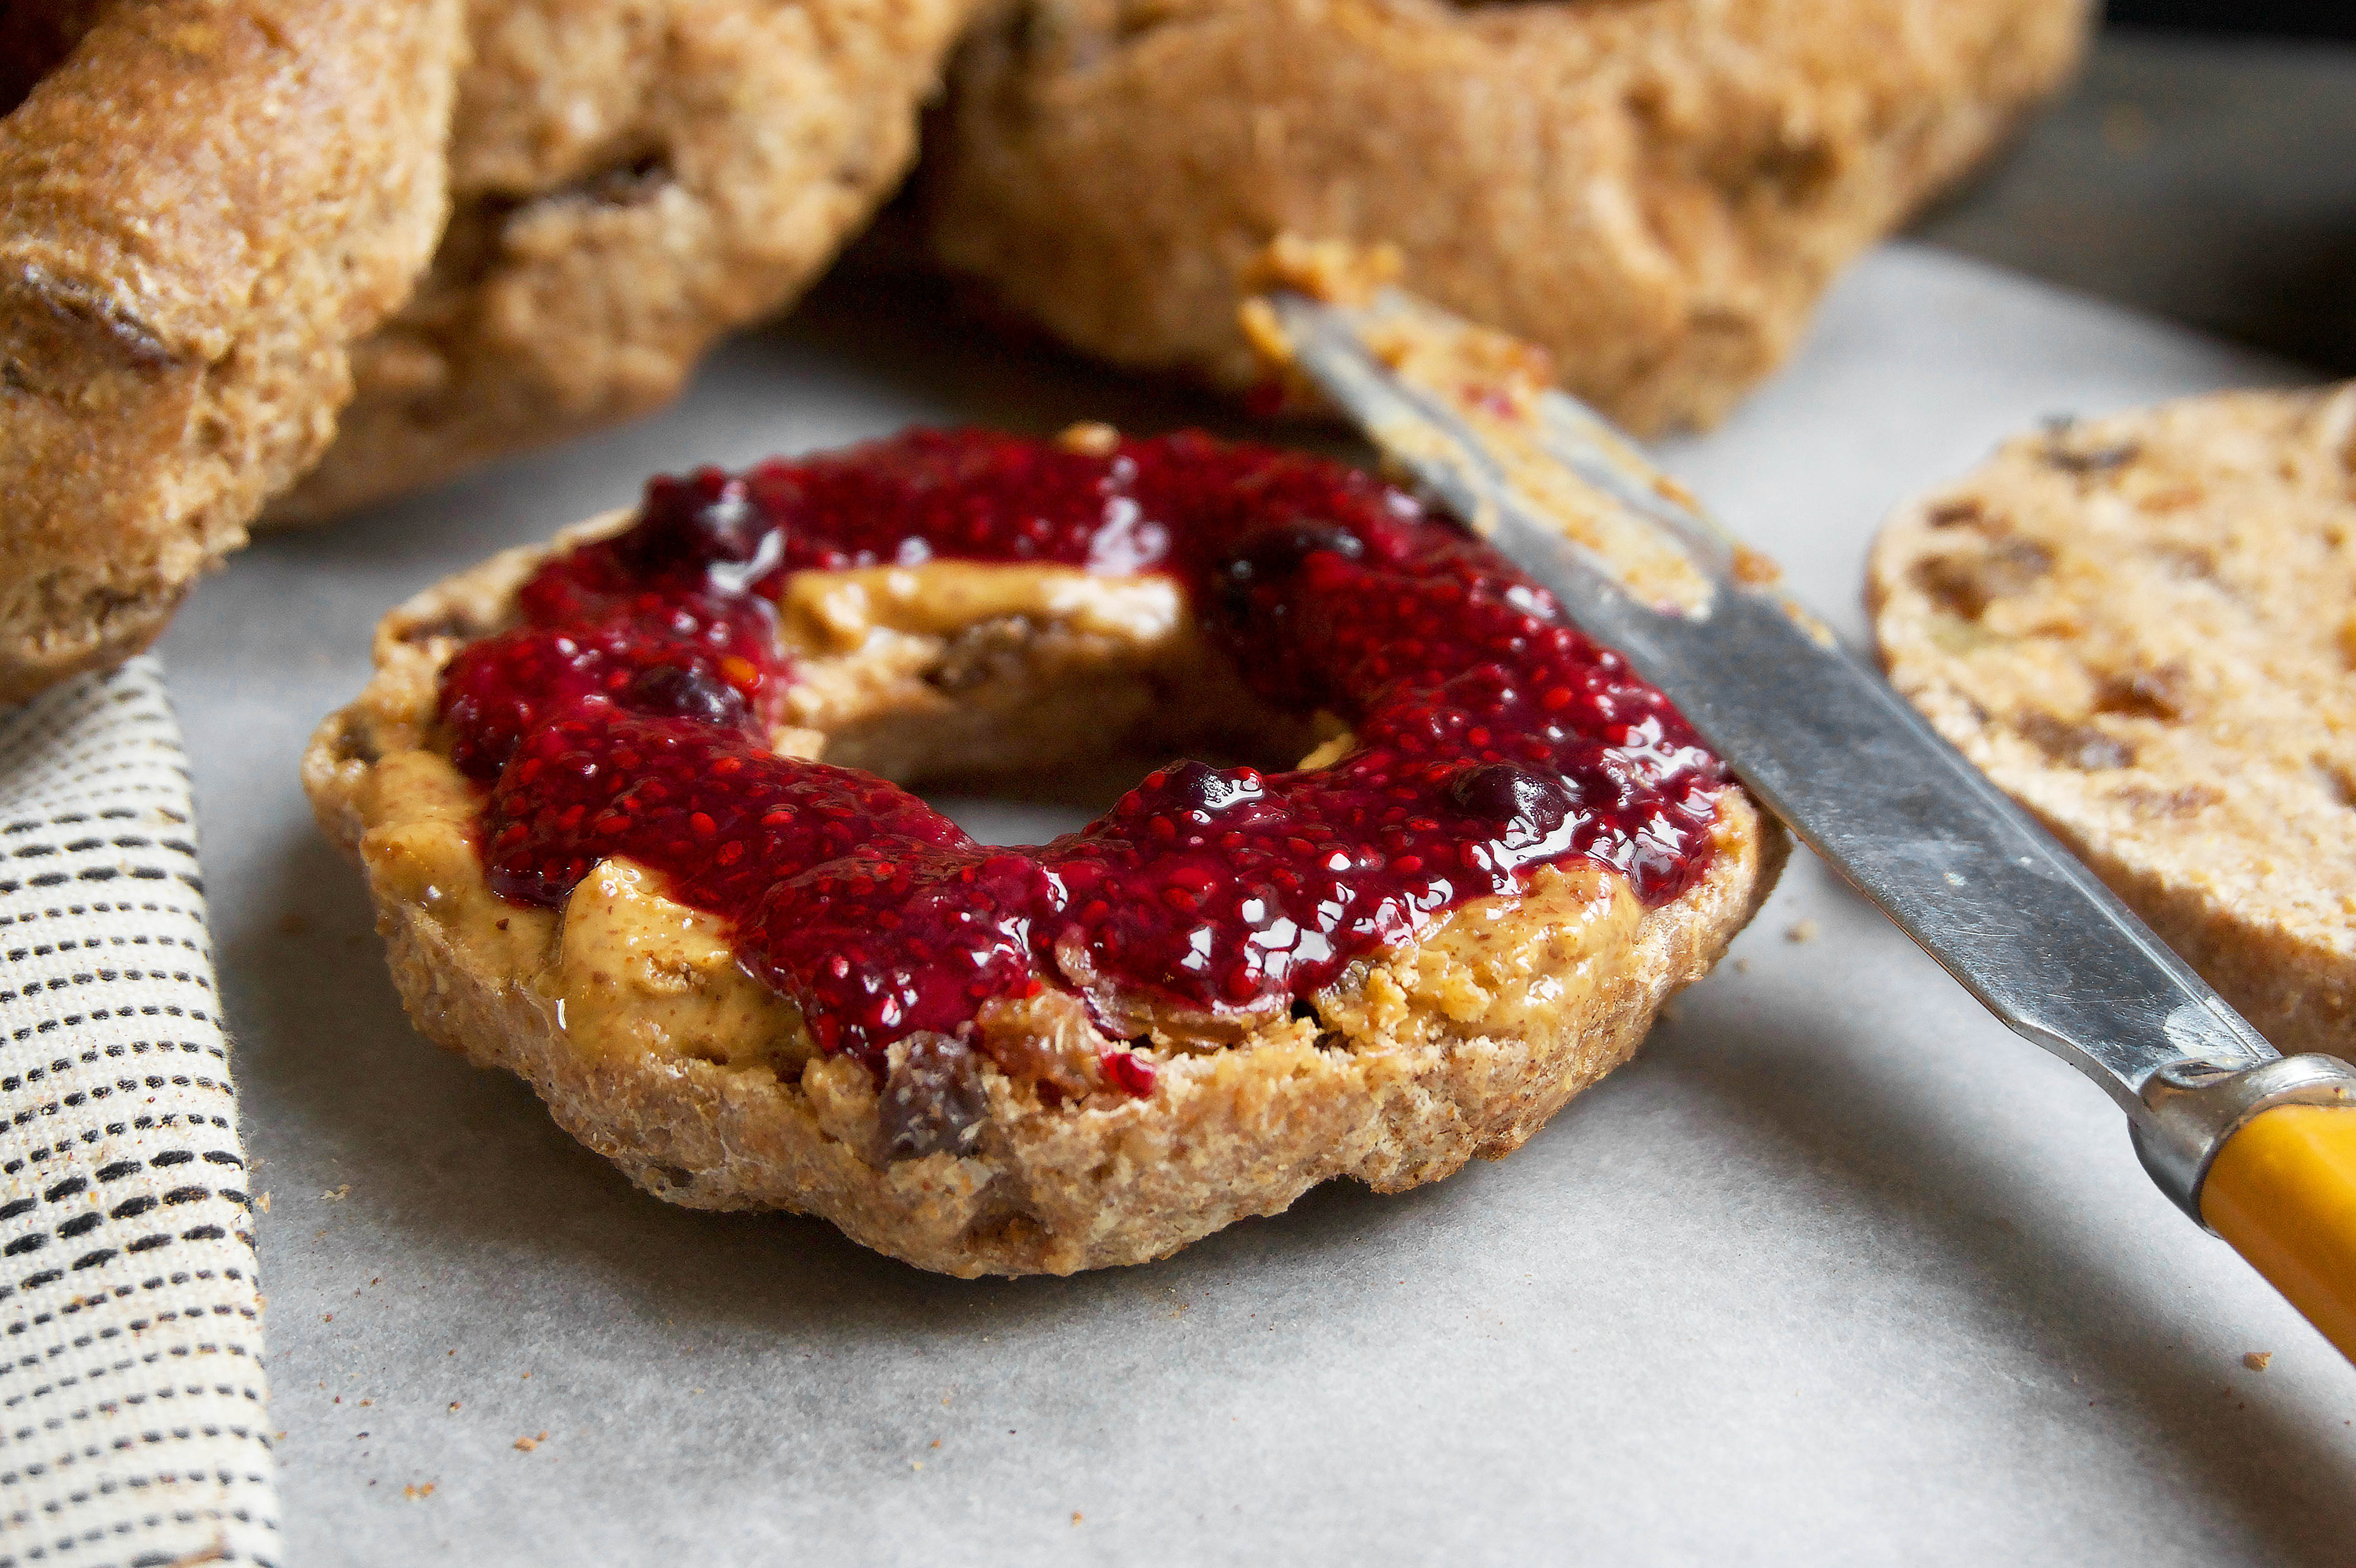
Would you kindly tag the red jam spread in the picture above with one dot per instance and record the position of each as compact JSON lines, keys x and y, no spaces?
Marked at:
{"x":625,"y":716}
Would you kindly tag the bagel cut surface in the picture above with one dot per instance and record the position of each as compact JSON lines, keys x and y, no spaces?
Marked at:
{"x":2140,"y":626}
{"x":1084,"y":1113}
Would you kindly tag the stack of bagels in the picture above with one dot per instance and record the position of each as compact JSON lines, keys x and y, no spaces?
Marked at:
{"x":277,"y":258}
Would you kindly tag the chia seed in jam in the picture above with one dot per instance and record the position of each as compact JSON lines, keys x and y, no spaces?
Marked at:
{"x":626,"y":716}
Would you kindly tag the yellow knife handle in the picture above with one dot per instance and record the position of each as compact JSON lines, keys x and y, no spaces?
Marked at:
{"x":2283,"y":1191}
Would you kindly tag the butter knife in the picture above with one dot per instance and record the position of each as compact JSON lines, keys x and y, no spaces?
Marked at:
{"x":2258,"y":1148}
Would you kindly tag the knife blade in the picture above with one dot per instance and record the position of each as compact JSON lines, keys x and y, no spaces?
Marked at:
{"x":1823,"y":742}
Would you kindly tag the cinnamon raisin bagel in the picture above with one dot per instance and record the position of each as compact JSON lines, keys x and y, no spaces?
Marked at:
{"x":586,"y":788}
{"x":2143,"y":627}
{"x":1655,"y":192}
{"x":202,"y":204}
{"x":633,"y":179}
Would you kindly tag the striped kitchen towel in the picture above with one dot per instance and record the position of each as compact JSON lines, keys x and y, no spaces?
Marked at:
{"x":131,"y":1398}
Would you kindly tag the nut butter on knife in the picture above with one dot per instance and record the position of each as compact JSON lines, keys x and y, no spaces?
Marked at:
{"x":2258,"y":1148}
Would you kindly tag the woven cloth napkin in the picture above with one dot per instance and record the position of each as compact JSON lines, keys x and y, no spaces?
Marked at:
{"x":132,"y":1396}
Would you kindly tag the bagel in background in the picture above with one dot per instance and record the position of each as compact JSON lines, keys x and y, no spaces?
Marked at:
{"x":632,"y":178}
{"x":1656,"y":193}
{"x":2143,"y":627}
{"x":211,"y":211}
{"x":201,"y":205}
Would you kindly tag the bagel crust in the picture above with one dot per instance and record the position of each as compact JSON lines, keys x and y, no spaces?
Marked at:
{"x":202,"y":204}
{"x":2141,"y":628}
{"x":628,"y":1014}
{"x":632,"y":180}
{"x":1655,"y":194}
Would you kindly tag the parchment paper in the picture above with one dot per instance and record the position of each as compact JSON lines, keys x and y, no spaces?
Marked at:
{"x":1837,"y":1271}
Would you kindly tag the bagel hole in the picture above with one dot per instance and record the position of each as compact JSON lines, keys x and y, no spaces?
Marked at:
{"x":2187,"y":563}
{"x":1044,"y":730}
{"x":1032,"y":806}
{"x":623,"y":179}
{"x":1795,"y":174}
{"x":355,"y":744}
{"x":2088,"y":461}
{"x":1969,"y":513}
{"x":1304,"y":1010}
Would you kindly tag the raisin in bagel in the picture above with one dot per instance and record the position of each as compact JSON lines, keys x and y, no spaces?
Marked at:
{"x":2141,"y":627}
{"x":582,"y":786}
{"x":202,"y":204}
{"x":1654,"y":193}
{"x":633,"y":179}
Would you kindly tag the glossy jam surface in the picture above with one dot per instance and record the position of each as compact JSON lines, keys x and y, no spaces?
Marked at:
{"x":624,"y":717}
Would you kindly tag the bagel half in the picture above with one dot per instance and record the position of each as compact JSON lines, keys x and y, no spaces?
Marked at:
{"x":629,"y":1016}
{"x":2141,"y":627}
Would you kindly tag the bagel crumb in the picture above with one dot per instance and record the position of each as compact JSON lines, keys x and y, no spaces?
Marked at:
{"x":1334,"y":270}
{"x":1091,"y":438}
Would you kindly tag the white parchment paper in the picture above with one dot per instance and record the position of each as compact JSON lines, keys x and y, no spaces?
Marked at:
{"x":1837,"y":1271}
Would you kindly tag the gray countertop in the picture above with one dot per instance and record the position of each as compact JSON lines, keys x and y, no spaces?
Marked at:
{"x":2210,"y":181}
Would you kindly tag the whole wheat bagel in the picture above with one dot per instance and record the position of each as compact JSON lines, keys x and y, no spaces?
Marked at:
{"x":202,"y":204}
{"x":2142,"y":626}
{"x":753,"y":979}
{"x":1654,"y":193}
{"x":632,"y":178}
